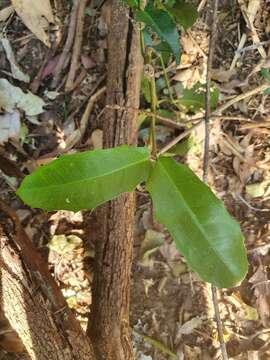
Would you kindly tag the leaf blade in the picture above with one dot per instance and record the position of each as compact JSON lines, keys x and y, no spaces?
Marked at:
{"x":194,"y":99}
{"x":161,"y":23}
{"x":85,"y":180}
{"x":204,"y":232}
{"x":184,"y":13}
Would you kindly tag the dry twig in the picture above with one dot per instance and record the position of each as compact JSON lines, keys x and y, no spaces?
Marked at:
{"x":68,"y":45}
{"x":77,"y":45}
{"x":206,"y":161}
{"x":78,"y":134}
{"x":240,"y":97}
{"x":178,"y":138}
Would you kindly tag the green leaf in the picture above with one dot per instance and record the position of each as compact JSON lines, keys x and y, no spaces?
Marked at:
{"x":204,"y":232}
{"x":147,"y":38}
{"x":133,"y":4}
{"x":145,"y":89}
{"x":265,"y":74}
{"x":194,"y":99}
{"x":267,"y":91}
{"x":85,"y":180}
{"x":164,"y":50}
{"x":186,"y":146}
{"x":163,"y":25}
{"x":185,"y":14}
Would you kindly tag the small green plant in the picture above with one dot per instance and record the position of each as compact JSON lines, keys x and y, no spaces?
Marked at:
{"x":265,"y":74}
{"x":202,"y":229}
{"x":204,"y":232}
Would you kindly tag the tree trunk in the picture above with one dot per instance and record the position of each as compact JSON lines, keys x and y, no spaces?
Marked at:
{"x":109,"y":320}
{"x":31,"y":300}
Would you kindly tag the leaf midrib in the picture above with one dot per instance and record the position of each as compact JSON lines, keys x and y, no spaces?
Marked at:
{"x":90,"y":178}
{"x":196,"y":221}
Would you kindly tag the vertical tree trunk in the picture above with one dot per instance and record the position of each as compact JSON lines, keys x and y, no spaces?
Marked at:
{"x":109,"y":321}
{"x":31,"y":300}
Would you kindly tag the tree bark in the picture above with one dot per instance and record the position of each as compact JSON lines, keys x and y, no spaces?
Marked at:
{"x":31,"y":300}
{"x":109,"y":320}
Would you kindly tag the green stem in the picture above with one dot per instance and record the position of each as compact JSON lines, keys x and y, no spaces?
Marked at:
{"x":166,"y":79}
{"x":153,"y":95}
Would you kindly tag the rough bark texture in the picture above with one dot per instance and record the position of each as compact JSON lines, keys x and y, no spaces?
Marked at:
{"x":31,"y":300}
{"x":109,"y":321}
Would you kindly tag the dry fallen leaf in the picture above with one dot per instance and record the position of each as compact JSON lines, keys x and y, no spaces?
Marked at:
{"x":257,"y":189}
{"x":189,"y":326}
{"x":9,"y":126}
{"x":36,"y":15}
{"x":63,"y":244}
{"x":12,"y":97}
{"x":262,"y":293}
{"x":6,"y":12}
{"x":222,"y":75}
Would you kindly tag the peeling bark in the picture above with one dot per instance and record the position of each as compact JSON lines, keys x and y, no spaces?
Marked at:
{"x":109,"y":320}
{"x":32,"y":301}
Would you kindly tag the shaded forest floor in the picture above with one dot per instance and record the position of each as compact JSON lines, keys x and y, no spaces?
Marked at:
{"x":171,"y":309}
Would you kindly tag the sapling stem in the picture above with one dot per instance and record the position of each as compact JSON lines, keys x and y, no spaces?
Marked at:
{"x":166,"y":79}
{"x":153,"y":96}
{"x":154,"y":116}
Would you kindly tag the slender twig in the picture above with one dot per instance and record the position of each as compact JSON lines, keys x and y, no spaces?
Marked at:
{"x":68,"y":44}
{"x":153,"y":95}
{"x":252,"y":47}
{"x":250,"y":206}
{"x":166,"y":79}
{"x":208,"y":90}
{"x":91,"y":102}
{"x":153,"y":117}
{"x":170,"y":123}
{"x":77,"y":45}
{"x":178,"y":138}
{"x":240,"y":97}
{"x":219,"y":323}
{"x":78,"y":134}
{"x":206,"y":160}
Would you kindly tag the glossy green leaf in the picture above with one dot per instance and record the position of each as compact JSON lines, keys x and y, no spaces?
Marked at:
{"x":145,"y":89}
{"x":184,"y":147}
{"x":185,"y":14}
{"x":194,"y":99}
{"x":163,"y":49}
{"x":163,"y":25}
{"x":85,"y":180}
{"x":204,"y":232}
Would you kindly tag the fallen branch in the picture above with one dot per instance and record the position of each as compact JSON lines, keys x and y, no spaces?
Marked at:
{"x":77,"y":45}
{"x":68,"y":45}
